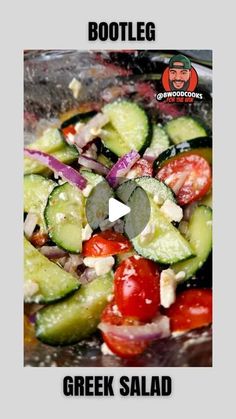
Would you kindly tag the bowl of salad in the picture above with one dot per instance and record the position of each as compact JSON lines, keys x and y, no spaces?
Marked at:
{"x":102,"y":292}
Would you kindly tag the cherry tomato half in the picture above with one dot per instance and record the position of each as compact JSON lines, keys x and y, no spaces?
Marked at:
{"x":189,"y":177}
{"x":69,"y":130}
{"x":137,"y":288}
{"x":39,"y":239}
{"x":191,"y":309}
{"x":119,"y":346}
{"x":143,"y":168}
{"x":106,"y":243}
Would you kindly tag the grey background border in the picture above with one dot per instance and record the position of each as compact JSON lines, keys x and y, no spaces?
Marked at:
{"x":37,"y":392}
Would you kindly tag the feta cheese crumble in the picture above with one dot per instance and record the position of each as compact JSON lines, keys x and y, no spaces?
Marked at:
{"x":86,"y":232}
{"x":101,"y":265}
{"x":75,"y":87}
{"x":30,"y":289}
{"x":105,"y":350}
{"x":172,"y":211}
{"x":168,"y":283}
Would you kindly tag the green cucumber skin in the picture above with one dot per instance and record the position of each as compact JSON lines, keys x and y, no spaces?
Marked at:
{"x":178,"y":129}
{"x":185,"y":147}
{"x":92,"y":178}
{"x":54,"y":283}
{"x":153,"y":186}
{"x":159,"y":138}
{"x":37,"y":189}
{"x":52,"y":225}
{"x":200,"y":238}
{"x":207,"y":200}
{"x":150,"y":185}
{"x":127,"y":147}
{"x":80,"y":117}
{"x":167,"y":246}
{"x":76,"y":317}
{"x":51,"y":142}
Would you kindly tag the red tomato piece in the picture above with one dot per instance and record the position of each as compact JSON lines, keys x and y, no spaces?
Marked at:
{"x":119,"y":346}
{"x":137,"y":288}
{"x":39,"y":239}
{"x":69,"y":130}
{"x":143,"y":167}
{"x":107,"y":243}
{"x":191,"y":309}
{"x":188,"y":176}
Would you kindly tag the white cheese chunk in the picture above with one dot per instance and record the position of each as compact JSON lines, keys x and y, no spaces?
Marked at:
{"x":30,"y":289}
{"x":168,"y":285}
{"x":102,"y":265}
{"x":70,"y":138}
{"x":172,"y":211}
{"x":79,"y":126}
{"x":105,"y":350}
{"x":75,"y":87}
{"x":86,"y":232}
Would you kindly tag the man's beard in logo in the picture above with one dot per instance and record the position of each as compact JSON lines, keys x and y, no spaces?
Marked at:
{"x":184,"y":88}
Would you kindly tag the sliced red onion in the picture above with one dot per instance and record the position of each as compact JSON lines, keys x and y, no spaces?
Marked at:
{"x":158,"y":329}
{"x":88,"y":275}
{"x":32,"y":318}
{"x":52,"y":252}
{"x":93,"y":165}
{"x":91,"y":130}
{"x":91,"y":152}
{"x":72,"y":263}
{"x":66,"y":172}
{"x":122,"y":167}
{"x":62,"y":261}
{"x":30,"y":224}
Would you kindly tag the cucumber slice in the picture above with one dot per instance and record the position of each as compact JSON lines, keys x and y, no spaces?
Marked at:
{"x":184,"y":128}
{"x":128,"y":128}
{"x":51,"y":142}
{"x":160,"y":240}
{"x":160,"y":140}
{"x":207,"y":200}
{"x":200,"y":239}
{"x":123,"y":256}
{"x":201,"y":146}
{"x":152,"y":186}
{"x":36,"y":191}
{"x":64,"y":215}
{"x":97,"y":205}
{"x":93,"y":178}
{"x":105,"y":160}
{"x":79,"y":117}
{"x":52,"y":281}
{"x":76,"y":317}
{"x":156,"y":189}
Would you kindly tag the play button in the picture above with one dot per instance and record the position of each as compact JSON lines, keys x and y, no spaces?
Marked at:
{"x":117,"y":210}
{"x":105,"y":205}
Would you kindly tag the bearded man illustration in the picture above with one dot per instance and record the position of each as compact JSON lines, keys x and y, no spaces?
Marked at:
{"x":179,"y":72}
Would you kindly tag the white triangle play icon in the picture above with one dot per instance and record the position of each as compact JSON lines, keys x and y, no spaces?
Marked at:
{"x":117,"y":210}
